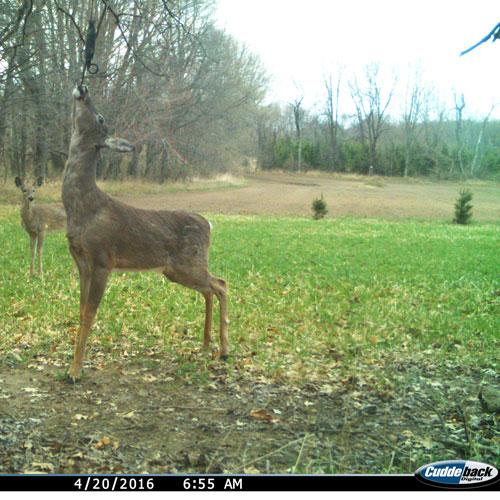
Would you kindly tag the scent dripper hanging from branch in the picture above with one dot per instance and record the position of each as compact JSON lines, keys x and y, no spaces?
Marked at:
{"x":89,"y":50}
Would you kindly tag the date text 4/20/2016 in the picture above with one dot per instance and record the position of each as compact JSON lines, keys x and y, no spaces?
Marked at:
{"x":140,"y":483}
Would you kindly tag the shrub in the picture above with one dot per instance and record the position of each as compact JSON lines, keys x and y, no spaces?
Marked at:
{"x":319,"y":208}
{"x":463,"y":208}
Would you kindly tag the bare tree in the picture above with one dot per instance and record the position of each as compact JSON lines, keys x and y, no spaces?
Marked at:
{"x":435,"y":124}
{"x":297,"y":116}
{"x":475,"y":165}
{"x":459,"y":133}
{"x":332,"y":117}
{"x":411,"y":116}
{"x":371,"y":110}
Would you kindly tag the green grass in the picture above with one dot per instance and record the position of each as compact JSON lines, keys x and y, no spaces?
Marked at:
{"x":299,"y":289}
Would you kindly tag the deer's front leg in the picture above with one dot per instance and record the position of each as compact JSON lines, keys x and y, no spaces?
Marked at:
{"x":84,"y":272}
{"x":94,"y":282}
{"x":39,"y":251}
{"x":32,"y":246}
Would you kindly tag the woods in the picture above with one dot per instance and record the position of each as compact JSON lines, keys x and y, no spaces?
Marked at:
{"x":192,"y":99}
{"x":425,"y":139}
{"x":177,"y":86}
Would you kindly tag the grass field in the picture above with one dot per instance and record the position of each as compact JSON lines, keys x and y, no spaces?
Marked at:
{"x":358,"y":345}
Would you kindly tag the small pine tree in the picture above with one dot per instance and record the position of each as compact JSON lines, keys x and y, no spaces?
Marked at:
{"x":319,"y":208}
{"x":463,"y":208}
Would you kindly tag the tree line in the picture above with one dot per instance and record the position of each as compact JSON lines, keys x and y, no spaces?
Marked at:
{"x":191,"y":99}
{"x":426,"y":139}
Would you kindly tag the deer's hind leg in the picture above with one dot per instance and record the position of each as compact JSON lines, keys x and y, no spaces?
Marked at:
{"x":209,"y":302}
{"x":208,"y":286}
{"x":219,"y":288}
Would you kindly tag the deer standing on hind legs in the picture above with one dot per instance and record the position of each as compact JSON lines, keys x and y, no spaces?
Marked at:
{"x":38,"y":219}
{"x":105,"y":234}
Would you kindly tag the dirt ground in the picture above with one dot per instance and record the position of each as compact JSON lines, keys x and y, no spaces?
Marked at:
{"x":129,"y":419}
{"x":116,"y":422}
{"x":292,"y":194}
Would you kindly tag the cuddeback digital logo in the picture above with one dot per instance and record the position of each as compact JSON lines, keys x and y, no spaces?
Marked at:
{"x":458,"y":474}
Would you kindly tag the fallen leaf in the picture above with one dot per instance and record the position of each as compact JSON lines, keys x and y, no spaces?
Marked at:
{"x":326,"y":389}
{"x":251,"y":470}
{"x":263,"y":416}
{"x":43,"y":466}
{"x":104,"y":441}
{"x":78,"y":416}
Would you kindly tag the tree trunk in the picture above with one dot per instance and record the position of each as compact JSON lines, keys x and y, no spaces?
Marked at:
{"x":164,"y":163}
{"x":133,"y":165}
{"x":297,"y":117}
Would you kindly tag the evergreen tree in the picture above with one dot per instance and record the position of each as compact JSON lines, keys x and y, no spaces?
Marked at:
{"x":463,"y":208}
{"x":319,"y":208}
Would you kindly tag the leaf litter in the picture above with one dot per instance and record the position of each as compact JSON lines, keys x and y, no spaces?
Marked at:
{"x":385,"y":415}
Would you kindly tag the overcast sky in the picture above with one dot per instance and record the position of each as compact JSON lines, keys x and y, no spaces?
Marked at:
{"x":299,"y":42}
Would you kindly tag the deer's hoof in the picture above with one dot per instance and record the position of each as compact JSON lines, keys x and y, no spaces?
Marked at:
{"x":72,"y":380}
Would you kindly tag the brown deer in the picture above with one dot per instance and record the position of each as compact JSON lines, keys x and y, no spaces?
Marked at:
{"x":105,"y":234}
{"x":38,"y":219}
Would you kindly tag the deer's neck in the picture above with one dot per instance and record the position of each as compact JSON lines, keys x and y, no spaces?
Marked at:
{"x":80,"y":193}
{"x":27,"y":211}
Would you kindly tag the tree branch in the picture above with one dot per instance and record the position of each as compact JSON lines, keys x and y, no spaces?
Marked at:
{"x":64,"y":11}
{"x":127,"y":43}
{"x":494,"y":33}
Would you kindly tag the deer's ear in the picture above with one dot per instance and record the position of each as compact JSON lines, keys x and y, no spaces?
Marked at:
{"x":39,"y":181}
{"x":118,"y":144}
{"x":18,"y":182}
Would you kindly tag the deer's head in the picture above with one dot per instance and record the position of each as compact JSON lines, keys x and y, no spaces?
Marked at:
{"x":91,"y":125}
{"x":28,"y":189}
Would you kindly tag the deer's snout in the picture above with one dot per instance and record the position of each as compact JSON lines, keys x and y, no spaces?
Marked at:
{"x":80,"y":91}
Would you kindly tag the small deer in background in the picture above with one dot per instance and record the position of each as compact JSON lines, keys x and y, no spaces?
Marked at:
{"x":38,"y":219}
{"x":105,"y":234}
